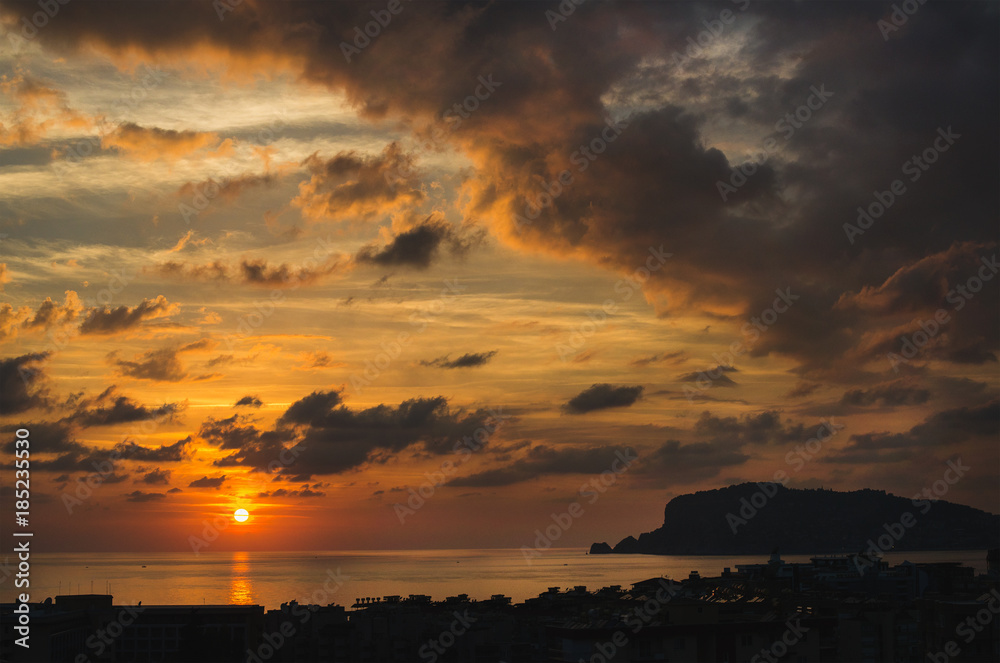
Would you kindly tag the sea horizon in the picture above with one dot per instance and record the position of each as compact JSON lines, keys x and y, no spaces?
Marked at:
{"x":270,"y":578}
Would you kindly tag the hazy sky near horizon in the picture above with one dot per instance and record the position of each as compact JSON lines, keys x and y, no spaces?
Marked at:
{"x":253,"y":257}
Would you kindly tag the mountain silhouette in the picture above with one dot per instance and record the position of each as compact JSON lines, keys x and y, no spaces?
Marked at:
{"x":751,"y":519}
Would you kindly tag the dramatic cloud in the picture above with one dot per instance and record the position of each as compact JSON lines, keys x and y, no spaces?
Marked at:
{"x":208,"y":482}
{"x":888,"y":394}
{"x":228,"y":189}
{"x":332,"y":438}
{"x":248,"y":401}
{"x":150,"y":143}
{"x":762,"y":428}
{"x":465,"y":361}
{"x":351,"y":186}
{"x":130,"y":450}
{"x":937,"y":432}
{"x":662,"y":357}
{"x":156,"y":477}
{"x":162,"y":365}
{"x":108,"y":320}
{"x":255,"y":272}
{"x":50,"y":316}
{"x":109,"y":408}
{"x":281,"y":492}
{"x":602,"y":396}
{"x":418,"y":246}
{"x":714,"y":377}
{"x":46,"y":438}
{"x":20,"y":383}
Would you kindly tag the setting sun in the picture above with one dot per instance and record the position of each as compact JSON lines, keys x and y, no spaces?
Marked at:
{"x":241,"y":515}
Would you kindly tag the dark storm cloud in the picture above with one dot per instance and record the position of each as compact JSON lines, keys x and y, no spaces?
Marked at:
{"x":156,"y":476}
{"x":76,"y":457}
{"x":467,"y":360}
{"x":256,"y":272}
{"x":163,"y":365}
{"x":803,"y":389}
{"x":762,"y":428}
{"x":602,"y":396}
{"x":658,"y":358}
{"x":46,"y":437}
{"x":656,"y":182}
{"x":20,"y":379}
{"x":350,"y":184}
{"x":312,"y":409}
{"x":887,"y":394}
{"x":208,"y":482}
{"x":948,"y":427}
{"x":248,"y":401}
{"x":544,"y":460}
{"x":109,"y":320}
{"x":410,"y":248}
{"x":231,"y":433}
{"x":282,"y":492}
{"x":110,"y":408}
{"x":716,"y":376}
{"x":419,"y":245}
{"x":329,"y":438}
{"x":130,"y":450}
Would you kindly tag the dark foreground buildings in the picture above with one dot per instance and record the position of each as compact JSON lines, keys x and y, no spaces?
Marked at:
{"x":833,"y":609}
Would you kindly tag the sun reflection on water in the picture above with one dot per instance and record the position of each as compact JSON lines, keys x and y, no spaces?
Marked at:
{"x":241,"y":590}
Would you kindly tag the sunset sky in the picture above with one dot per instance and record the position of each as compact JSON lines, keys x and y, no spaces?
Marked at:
{"x":253,"y":257}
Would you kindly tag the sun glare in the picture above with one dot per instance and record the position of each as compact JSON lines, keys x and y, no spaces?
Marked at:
{"x":241,"y":515}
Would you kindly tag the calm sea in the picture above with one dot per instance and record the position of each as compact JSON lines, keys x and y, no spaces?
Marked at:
{"x":271,"y":578}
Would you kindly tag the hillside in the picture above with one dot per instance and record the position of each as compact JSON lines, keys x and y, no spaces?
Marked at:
{"x":807,"y":521}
